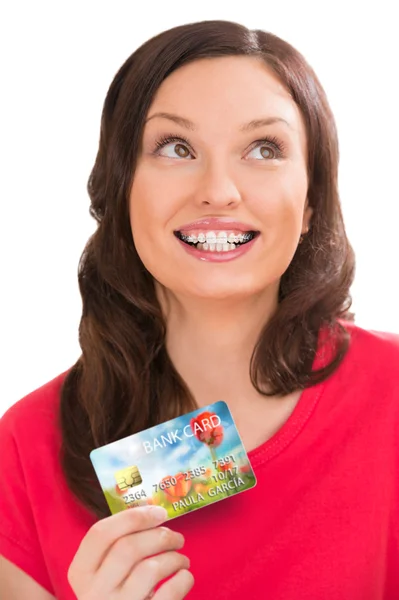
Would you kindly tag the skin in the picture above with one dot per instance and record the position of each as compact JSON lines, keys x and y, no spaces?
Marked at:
{"x":215,"y":311}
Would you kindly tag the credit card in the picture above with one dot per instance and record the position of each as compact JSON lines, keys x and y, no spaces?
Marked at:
{"x":183,"y":464}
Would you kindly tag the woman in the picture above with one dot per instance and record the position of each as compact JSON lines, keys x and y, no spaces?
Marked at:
{"x":220,"y":269}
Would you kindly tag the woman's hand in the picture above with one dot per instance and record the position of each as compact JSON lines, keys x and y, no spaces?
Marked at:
{"x":112,"y":561}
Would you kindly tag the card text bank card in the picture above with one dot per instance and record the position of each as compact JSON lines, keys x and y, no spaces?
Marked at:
{"x":184,"y":464}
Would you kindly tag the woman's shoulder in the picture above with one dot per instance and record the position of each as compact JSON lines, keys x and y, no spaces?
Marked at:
{"x":35,"y":412}
{"x":364,"y":339}
{"x":373,"y":351}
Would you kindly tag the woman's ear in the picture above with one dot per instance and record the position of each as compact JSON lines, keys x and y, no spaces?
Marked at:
{"x":307,"y":215}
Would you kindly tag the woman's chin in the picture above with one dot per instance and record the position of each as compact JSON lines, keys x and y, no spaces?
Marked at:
{"x":222,"y":292}
{"x":211,"y":289}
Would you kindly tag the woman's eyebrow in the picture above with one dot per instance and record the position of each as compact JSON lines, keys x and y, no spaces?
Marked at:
{"x":254,"y":124}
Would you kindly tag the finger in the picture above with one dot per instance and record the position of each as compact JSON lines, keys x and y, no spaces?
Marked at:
{"x":177,"y":587}
{"x":129,"y":550}
{"x":149,"y":572}
{"x":106,"y":532}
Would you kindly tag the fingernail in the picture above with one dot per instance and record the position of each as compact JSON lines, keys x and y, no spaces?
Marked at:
{"x":158,"y":512}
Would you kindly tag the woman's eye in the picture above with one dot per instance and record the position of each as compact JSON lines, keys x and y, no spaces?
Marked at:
{"x":172,"y":150}
{"x":264,"y":151}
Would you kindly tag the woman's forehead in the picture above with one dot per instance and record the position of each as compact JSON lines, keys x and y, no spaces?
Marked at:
{"x":237,"y":82}
{"x":224,"y":97}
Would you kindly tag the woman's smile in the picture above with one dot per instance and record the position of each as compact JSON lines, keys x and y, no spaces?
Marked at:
{"x":218,"y":247}
{"x":211,"y":238}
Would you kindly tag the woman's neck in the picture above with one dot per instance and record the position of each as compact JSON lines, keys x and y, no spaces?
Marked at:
{"x":211,"y":342}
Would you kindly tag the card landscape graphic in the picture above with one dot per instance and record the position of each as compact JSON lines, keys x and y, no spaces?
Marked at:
{"x":184,"y":464}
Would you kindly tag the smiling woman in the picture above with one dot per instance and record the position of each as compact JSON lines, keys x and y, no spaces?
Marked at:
{"x":220,"y":269}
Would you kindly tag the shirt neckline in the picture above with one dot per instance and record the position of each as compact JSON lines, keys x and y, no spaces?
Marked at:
{"x":304,"y":408}
{"x":292,"y":427}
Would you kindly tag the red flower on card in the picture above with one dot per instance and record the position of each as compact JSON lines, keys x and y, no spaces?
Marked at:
{"x":245,"y":469}
{"x":225,"y":467}
{"x":180,"y":489}
{"x":205,"y":431}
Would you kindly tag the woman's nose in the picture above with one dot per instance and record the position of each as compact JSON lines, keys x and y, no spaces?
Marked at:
{"x":217,"y":188}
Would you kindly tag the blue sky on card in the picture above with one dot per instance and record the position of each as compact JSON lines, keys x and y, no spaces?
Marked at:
{"x":169,"y":460}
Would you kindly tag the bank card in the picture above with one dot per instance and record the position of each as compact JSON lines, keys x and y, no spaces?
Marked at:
{"x":183,"y":464}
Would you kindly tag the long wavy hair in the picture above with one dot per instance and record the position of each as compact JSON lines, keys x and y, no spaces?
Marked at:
{"x":124,"y":381}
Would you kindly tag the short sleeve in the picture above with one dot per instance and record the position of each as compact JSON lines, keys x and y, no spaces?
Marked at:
{"x":19,"y":541}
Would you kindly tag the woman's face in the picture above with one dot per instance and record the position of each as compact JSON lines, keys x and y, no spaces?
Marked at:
{"x":209,"y":156}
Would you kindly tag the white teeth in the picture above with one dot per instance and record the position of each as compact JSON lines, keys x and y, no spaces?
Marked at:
{"x":216,"y":247}
{"x":216,"y":241}
{"x":216,"y":237}
{"x":211,"y":237}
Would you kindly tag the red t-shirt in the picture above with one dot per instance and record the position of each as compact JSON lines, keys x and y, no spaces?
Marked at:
{"x":321,"y":523}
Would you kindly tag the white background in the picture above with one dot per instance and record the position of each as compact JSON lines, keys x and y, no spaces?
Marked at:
{"x":57,"y":62}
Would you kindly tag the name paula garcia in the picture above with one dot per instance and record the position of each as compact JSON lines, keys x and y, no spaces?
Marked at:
{"x":222,"y":488}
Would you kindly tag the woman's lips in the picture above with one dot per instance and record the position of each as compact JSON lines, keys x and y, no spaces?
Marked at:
{"x":217,"y":256}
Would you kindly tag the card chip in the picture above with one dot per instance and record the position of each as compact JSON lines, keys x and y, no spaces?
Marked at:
{"x":128,"y":477}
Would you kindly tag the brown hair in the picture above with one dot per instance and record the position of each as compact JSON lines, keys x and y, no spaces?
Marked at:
{"x":124,"y":380}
